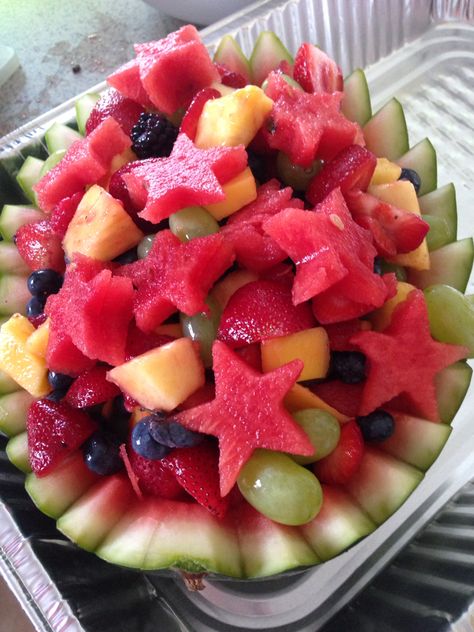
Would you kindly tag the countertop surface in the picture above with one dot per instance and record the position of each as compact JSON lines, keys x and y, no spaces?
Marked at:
{"x":66,"y":47}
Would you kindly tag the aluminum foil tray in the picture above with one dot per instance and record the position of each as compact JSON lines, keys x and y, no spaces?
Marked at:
{"x":423,"y":53}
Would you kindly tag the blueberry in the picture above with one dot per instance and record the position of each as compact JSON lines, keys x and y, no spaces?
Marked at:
{"x":59,"y":381}
{"x":378,"y":265}
{"x":35,"y":306}
{"x":348,"y":366}
{"x":377,"y":426}
{"x":130,"y":256}
{"x":101,"y":454}
{"x":44,"y":282}
{"x":174,"y":435}
{"x":413,"y":177}
{"x":57,"y":395}
{"x":144,"y":444}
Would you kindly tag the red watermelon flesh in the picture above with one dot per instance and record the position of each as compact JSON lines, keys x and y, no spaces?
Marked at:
{"x":339,"y":334}
{"x":126,"y":80}
{"x":125,"y":111}
{"x":189,"y":176}
{"x":315,"y":71}
{"x":119,"y":190}
{"x":55,"y":430}
{"x":191,"y":118}
{"x":62,"y":213}
{"x":94,"y":309}
{"x":175,"y":68}
{"x":176,"y":276}
{"x":85,"y":162}
{"x":394,"y":230}
{"x":139,"y":342}
{"x":328,"y":247}
{"x":405,"y":359}
{"x":62,"y":355}
{"x":260,"y":310}
{"x":306,"y":126}
{"x":247,"y":413}
{"x":351,"y":169}
{"x":343,"y":397}
{"x":40,"y":246}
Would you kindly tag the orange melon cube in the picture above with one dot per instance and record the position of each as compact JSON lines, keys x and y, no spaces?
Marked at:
{"x":310,"y":345}
{"x":382,"y":316}
{"x":239,"y":191}
{"x":301,"y":398}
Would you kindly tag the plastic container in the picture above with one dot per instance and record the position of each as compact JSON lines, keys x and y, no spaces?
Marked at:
{"x":422,"y":53}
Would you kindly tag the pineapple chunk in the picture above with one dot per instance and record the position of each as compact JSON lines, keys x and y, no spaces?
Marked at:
{"x":27,"y":369}
{"x":163,"y":377}
{"x":309,"y":345}
{"x":403,"y":195}
{"x":233,"y":119}
{"x":37,"y":342}
{"x":381,"y":317}
{"x":238,"y":192}
{"x":100,"y":228}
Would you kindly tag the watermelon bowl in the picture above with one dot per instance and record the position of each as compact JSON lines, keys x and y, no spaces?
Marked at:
{"x":120,"y":515}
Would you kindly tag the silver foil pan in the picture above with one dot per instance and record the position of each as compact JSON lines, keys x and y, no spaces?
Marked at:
{"x":423,"y":53}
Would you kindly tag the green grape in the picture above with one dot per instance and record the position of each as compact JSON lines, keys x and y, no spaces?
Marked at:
{"x":323,"y":430}
{"x":295,"y":176}
{"x":145,"y":245}
{"x":279,"y":488}
{"x":51,"y":161}
{"x":451,"y":316}
{"x":203,"y":328}
{"x":440,"y":232}
{"x":399,"y":271}
{"x":191,"y":222}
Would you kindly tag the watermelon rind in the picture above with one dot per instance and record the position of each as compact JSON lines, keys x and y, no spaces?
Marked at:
{"x":450,"y":265}
{"x":422,"y":159}
{"x":356,"y":104}
{"x":17,"y":452}
{"x":15,"y":215}
{"x":386,"y":133}
{"x":452,"y":384}
{"x":13,"y":411}
{"x":231,"y":55}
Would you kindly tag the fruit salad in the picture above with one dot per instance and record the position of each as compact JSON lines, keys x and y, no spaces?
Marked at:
{"x":232,"y":298}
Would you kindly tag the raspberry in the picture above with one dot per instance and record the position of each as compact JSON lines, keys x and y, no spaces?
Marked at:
{"x":153,"y":136}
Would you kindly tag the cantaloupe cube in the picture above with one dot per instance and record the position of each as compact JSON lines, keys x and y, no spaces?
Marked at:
{"x":37,"y":342}
{"x":239,"y":191}
{"x":27,"y":369}
{"x":301,"y":398}
{"x":233,"y":281}
{"x":382,"y":316}
{"x":403,"y":195}
{"x":385,"y":172}
{"x":100,"y":228}
{"x":162,"y":378}
{"x":309,"y":345}
{"x":233,"y":119}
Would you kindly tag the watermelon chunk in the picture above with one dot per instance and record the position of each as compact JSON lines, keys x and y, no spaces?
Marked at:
{"x":191,"y":118}
{"x":189,"y":176}
{"x":330,"y":251}
{"x":126,"y":80}
{"x":125,"y":111}
{"x":175,"y":68}
{"x":247,"y":413}
{"x":94,"y":308}
{"x":176,"y":276}
{"x":40,"y":246}
{"x":307,"y":126}
{"x":62,"y":355}
{"x":55,"y":430}
{"x":405,"y":359}
{"x":260,"y":310}
{"x":85,"y":162}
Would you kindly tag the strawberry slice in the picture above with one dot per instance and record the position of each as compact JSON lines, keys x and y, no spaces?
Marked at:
{"x":40,"y":247}
{"x":315,"y":71}
{"x":230,"y":77}
{"x":91,"y":388}
{"x":191,"y":118}
{"x":55,"y":430}
{"x":62,"y":213}
{"x":261,"y":310}
{"x":394,"y":230}
{"x":197,"y":470}
{"x":125,"y":111}
{"x":352,"y":168}
{"x":154,"y":478}
{"x":340,"y":466}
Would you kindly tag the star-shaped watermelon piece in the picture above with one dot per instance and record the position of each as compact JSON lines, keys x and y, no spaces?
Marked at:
{"x":176,"y":276}
{"x":189,"y":176}
{"x":247,"y":413}
{"x":404,"y":359}
{"x":328,"y":247}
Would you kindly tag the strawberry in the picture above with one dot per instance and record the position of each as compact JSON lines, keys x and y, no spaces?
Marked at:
{"x":196,"y":470}
{"x":125,"y":111}
{"x":139,"y":342}
{"x":191,"y":118}
{"x":154,"y":477}
{"x":340,"y":466}
{"x":315,"y":71}
{"x":91,"y":388}
{"x":55,"y":430}
{"x":230,"y":77}
{"x":252,"y":355}
{"x":62,"y":213}
{"x":40,"y":247}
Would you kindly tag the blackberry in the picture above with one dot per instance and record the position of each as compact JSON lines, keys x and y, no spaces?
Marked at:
{"x":153,"y":136}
